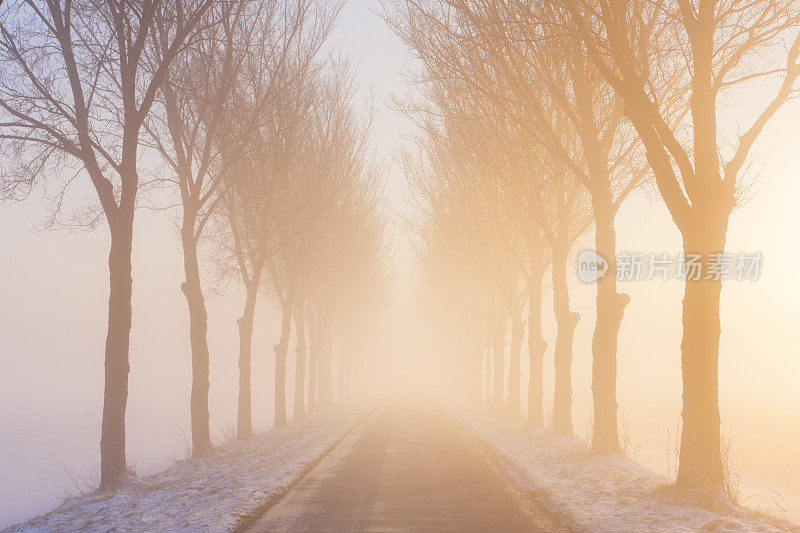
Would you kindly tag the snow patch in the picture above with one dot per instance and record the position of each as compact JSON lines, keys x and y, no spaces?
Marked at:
{"x":599,"y":494}
{"x":205,"y":494}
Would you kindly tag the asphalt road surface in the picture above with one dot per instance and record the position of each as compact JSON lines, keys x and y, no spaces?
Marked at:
{"x":405,"y":470}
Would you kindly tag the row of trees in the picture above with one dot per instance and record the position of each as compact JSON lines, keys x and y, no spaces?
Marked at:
{"x":235,"y":112}
{"x":537,"y":120}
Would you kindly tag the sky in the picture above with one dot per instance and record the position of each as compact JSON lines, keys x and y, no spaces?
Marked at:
{"x":53,"y":297}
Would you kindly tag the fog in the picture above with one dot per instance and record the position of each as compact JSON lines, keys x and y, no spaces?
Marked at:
{"x":54,"y":302}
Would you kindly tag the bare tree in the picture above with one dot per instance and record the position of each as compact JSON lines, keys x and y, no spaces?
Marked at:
{"x":542,"y":80}
{"x":454,"y":184}
{"x":671,"y":63}
{"x":291,"y":127}
{"x":300,"y":357}
{"x":362,"y":272}
{"x":195,"y":98}
{"x":260,"y":149}
{"x":78,"y":83}
{"x":340,"y":159}
{"x":249,"y":227}
{"x":287,"y":298}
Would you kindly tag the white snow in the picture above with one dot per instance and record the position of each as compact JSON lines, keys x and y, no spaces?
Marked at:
{"x":600,"y":494}
{"x":207,"y":494}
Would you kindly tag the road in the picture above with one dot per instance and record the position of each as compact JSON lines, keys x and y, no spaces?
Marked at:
{"x":405,"y":470}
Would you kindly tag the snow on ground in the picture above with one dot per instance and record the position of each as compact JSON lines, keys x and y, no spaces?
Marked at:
{"x":599,"y":494}
{"x":208,"y":494}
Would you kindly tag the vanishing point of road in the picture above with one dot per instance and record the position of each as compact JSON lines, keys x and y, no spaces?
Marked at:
{"x":405,"y":470}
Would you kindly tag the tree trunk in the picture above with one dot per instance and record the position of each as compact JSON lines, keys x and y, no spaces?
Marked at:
{"x":350,"y":379}
{"x":313,"y":359}
{"x":324,"y":370}
{"x":487,"y":358}
{"x":514,"y":373}
{"x":536,"y":349}
{"x":117,"y":367}
{"x":700,"y":452}
{"x":198,"y":333}
{"x":476,"y":361}
{"x":566,"y":321}
{"x":300,"y":368}
{"x":343,"y":357}
{"x":610,"y":306}
{"x":281,"y":350}
{"x":499,"y":366}
{"x":244,"y":422}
